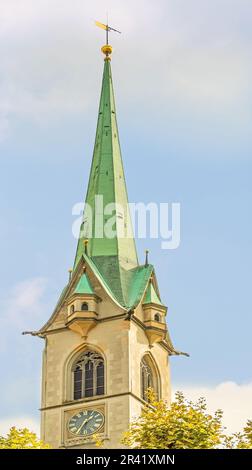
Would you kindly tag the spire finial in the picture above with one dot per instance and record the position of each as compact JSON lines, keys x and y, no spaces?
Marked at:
{"x":86,"y":246}
{"x":146,"y":257}
{"x":70,"y":273}
{"x":107,"y":49}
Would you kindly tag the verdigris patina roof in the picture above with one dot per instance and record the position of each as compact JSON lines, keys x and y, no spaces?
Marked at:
{"x":84,"y":286}
{"x":107,"y":182}
{"x":127,"y":285}
{"x":115,"y":259}
{"x":151,"y":296}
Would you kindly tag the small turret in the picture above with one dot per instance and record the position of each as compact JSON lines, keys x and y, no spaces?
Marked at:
{"x":82,"y":307}
{"x":154,"y":315}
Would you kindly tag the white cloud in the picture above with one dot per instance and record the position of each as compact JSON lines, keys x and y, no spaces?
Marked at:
{"x":179,"y":52}
{"x":234,"y":399}
{"x":24,"y":302}
{"x":19,"y":422}
{"x":23,"y":308}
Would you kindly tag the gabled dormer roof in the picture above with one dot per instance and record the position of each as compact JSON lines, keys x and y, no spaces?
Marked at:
{"x":84,"y":285}
{"x":151,"y":296}
{"x":125,"y":287}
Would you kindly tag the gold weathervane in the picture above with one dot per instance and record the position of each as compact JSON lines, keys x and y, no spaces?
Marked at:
{"x":107,"y":49}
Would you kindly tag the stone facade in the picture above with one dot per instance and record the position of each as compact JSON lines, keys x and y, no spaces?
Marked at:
{"x":122,"y":343}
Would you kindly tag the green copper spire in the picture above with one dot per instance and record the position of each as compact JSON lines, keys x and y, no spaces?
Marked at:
{"x":110,"y":261}
{"x":107,"y":188}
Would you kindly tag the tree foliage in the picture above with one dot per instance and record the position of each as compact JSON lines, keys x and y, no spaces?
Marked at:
{"x":185,"y":425}
{"x":21,"y":439}
{"x":240,"y":440}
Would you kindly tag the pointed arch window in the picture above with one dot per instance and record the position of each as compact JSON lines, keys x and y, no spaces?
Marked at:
{"x":84,"y":306}
{"x":148,"y":377}
{"x":88,"y":375}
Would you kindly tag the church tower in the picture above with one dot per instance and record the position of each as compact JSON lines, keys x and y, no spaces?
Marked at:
{"x":107,"y":339}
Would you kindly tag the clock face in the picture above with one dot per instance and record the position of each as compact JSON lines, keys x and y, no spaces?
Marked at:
{"x":86,"y":422}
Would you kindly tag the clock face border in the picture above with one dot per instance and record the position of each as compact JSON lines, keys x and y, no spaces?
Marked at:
{"x":89,"y":434}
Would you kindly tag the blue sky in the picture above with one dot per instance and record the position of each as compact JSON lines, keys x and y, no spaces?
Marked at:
{"x":182,"y":75}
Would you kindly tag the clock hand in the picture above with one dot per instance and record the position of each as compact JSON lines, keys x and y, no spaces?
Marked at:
{"x":83,"y":424}
{"x":91,"y":416}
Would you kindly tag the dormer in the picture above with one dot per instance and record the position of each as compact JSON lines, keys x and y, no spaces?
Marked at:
{"x":82,"y":307}
{"x":154,"y":315}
